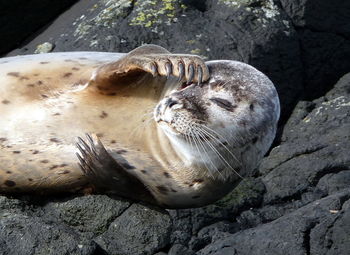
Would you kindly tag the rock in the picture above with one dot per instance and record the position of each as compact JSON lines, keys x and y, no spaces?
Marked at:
{"x":46,"y":47}
{"x":94,"y":224}
{"x":179,"y":249}
{"x":313,"y":146}
{"x":320,"y":15}
{"x":91,"y":214}
{"x":296,"y":203}
{"x":248,"y":193}
{"x":256,"y":32}
{"x":20,"y":19}
{"x":325,"y":60}
{"x":293,"y":233}
{"x":139,"y":230}
{"x":25,"y":233}
{"x":331,"y":235}
{"x":324,"y":32}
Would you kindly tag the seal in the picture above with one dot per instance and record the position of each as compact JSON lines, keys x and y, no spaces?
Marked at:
{"x":168,"y":129}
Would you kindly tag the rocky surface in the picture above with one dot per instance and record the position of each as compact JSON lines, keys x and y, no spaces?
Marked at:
{"x":299,"y":200}
{"x":20,"y":19}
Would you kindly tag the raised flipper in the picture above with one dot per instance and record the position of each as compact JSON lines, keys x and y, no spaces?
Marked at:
{"x":148,"y":59}
{"x":107,"y":174}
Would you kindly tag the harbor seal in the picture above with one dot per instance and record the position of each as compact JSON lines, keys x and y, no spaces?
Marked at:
{"x":168,"y":129}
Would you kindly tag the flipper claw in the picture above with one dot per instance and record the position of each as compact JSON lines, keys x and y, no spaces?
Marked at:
{"x":200,"y":74}
{"x":169,"y":69}
{"x":181,"y":67}
{"x":190,"y":73}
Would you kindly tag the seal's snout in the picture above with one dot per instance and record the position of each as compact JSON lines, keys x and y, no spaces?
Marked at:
{"x":170,"y":102}
{"x":165,"y":108}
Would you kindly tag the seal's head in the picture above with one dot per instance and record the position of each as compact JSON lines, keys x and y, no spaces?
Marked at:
{"x":217,"y":122}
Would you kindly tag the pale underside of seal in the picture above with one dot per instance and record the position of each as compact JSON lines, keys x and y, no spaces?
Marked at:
{"x":49,"y":101}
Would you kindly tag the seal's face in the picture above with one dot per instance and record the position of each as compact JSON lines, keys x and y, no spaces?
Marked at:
{"x":204,"y":122}
{"x":229,"y":119}
{"x":213,"y":108}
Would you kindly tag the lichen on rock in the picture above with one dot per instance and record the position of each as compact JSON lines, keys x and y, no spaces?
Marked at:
{"x":107,"y":17}
{"x":150,"y":13}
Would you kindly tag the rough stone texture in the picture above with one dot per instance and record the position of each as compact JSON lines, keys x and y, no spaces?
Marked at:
{"x":324,"y":34}
{"x":298,"y":202}
{"x":320,"y":15}
{"x":257,"y":32}
{"x":23,"y":231}
{"x":89,"y":213}
{"x":20,"y":19}
{"x":313,"y":146}
{"x":139,"y":230}
{"x":293,"y":233}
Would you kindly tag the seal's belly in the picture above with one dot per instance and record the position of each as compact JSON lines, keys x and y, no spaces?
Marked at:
{"x":44,"y":108}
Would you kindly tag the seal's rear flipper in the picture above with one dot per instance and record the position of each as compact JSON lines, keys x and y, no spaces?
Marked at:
{"x":148,"y":59}
{"x":108,"y":175}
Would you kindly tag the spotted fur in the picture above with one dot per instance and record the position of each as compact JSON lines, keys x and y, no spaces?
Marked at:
{"x":142,"y":116}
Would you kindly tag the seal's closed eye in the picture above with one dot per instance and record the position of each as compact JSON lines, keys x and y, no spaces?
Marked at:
{"x":223,"y":103}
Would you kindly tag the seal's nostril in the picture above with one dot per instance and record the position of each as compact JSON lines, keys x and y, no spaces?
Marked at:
{"x":170,"y":102}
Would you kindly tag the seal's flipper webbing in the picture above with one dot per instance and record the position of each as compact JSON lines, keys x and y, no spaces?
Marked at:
{"x":108,"y":175}
{"x":148,"y":59}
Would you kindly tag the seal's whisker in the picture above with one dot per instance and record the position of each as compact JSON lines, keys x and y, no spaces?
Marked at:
{"x":207,"y":156}
{"x":218,"y":153}
{"x":205,"y":139}
{"x":201,"y":155}
{"x":220,"y":143}
{"x":198,"y":150}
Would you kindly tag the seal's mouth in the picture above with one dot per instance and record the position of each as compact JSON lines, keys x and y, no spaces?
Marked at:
{"x":184,"y":85}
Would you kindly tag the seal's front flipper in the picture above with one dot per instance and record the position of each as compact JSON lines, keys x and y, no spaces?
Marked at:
{"x":107,"y":174}
{"x":148,"y":59}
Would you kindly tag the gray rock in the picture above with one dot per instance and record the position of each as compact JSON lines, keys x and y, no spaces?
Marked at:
{"x":313,"y":146}
{"x":21,"y":232}
{"x":20,"y":19}
{"x":256,"y":31}
{"x":324,"y":32}
{"x":187,"y":222}
{"x":332,"y":235}
{"x":290,"y":234}
{"x":325,"y":60}
{"x":139,"y":230}
{"x":179,"y":249}
{"x":45,"y":47}
{"x":298,"y":201}
{"x":321,"y":15}
{"x":92,"y":213}
{"x":334,"y":182}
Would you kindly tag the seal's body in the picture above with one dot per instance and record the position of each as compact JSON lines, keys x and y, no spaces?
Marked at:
{"x":175,"y":142}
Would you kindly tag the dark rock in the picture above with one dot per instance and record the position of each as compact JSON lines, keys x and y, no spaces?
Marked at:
{"x":20,"y":19}
{"x":298,"y":203}
{"x":23,"y":233}
{"x":313,"y":146}
{"x":324,"y":31}
{"x":179,"y":249}
{"x":325,"y":58}
{"x":89,"y":213}
{"x":139,"y":230}
{"x":188,"y":222}
{"x":321,"y":15}
{"x":256,"y":32}
{"x":290,"y":234}
{"x":332,"y":183}
{"x":332,"y":235}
